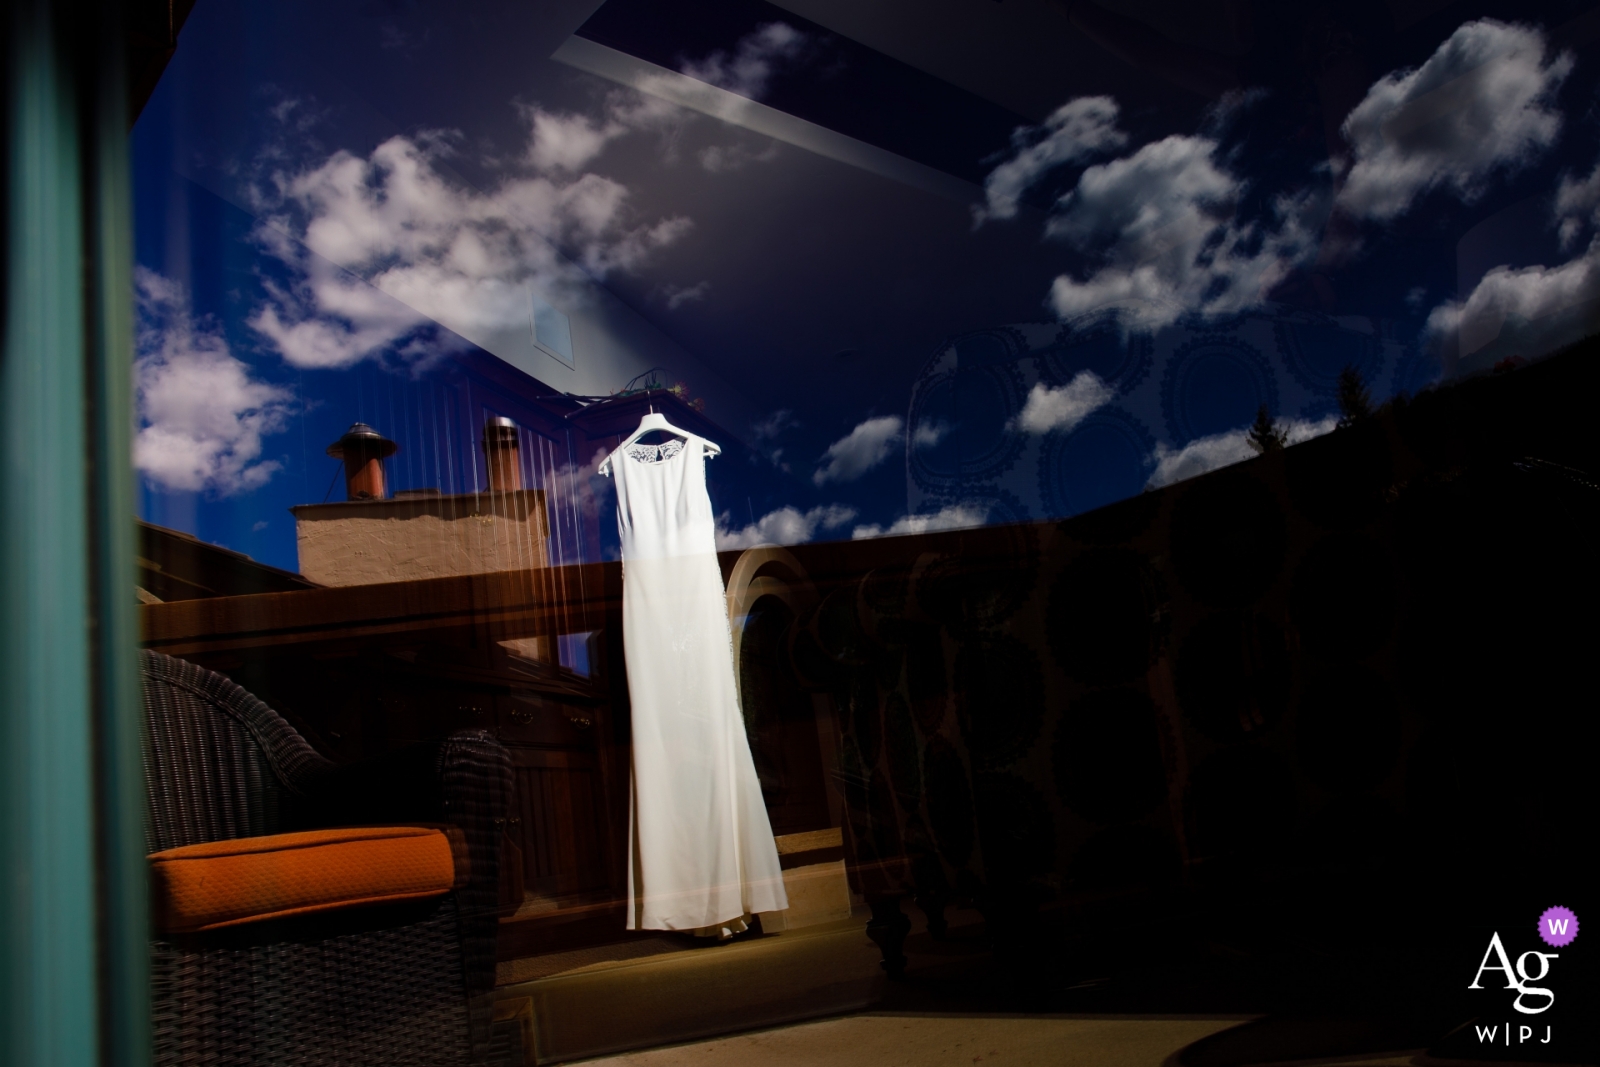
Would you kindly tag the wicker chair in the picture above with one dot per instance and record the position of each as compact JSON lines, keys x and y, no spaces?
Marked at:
{"x":390,"y":984}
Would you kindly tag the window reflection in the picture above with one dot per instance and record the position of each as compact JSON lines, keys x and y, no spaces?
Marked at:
{"x":1095,"y":383}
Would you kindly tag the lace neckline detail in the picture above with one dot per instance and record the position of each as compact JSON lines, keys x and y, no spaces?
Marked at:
{"x":655,"y":453}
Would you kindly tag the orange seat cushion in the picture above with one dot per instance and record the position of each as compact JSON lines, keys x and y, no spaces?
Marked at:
{"x":226,"y":883}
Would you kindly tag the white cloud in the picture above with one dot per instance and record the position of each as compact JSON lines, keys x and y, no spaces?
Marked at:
{"x":201,"y":414}
{"x":767,"y":431}
{"x":1531,"y":310}
{"x":1050,"y":408}
{"x":678,"y":295}
{"x":382,"y":246}
{"x":1163,"y":221}
{"x":862,"y":449}
{"x":1199,"y":456}
{"x":329,"y":318}
{"x":775,"y":424}
{"x":721,"y":159}
{"x":1305,"y":429}
{"x":591,"y":493}
{"x":928,"y":434}
{"x":1224,"y":450}
{"x":754,"y":61}
{"x":407,"y":245}
{"x":567,"y":142}
{"x":1483,"y":103}
{"x":1577,"y":206}
{"x":1543,"y":307}
{"x":785,"y":526}
{"x":1225,"y":112}
{"x":1074,"y":132}
{"x":952,"y":517}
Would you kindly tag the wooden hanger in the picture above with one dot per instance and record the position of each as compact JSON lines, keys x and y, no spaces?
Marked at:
{"x":654,"y":420}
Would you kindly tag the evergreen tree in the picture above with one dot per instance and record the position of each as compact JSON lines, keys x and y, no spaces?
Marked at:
{"x":1354,"y":402}
{"x":1264,"y":435}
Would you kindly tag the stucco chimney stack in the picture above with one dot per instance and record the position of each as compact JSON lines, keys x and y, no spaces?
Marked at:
{"x":363,"y":450}
{"x":503,"y":454}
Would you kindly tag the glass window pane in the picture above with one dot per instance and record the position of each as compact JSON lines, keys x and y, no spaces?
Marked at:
{"x":1095,"y":474}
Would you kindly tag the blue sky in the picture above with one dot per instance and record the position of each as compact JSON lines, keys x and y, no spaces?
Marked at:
{"x":913,"y":292}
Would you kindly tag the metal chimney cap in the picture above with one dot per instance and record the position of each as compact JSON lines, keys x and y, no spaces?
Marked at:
{"x":364,"y":439}
{"x":500,"y":430}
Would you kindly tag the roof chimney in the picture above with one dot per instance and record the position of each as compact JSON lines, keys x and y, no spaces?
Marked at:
{"x":363,"y":450}
{"x":503,"y":453}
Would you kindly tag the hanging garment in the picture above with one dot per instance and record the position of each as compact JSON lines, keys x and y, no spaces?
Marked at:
{"x":701,"y":854}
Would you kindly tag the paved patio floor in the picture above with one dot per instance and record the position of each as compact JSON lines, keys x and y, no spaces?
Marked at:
{"x":943,"y":1040}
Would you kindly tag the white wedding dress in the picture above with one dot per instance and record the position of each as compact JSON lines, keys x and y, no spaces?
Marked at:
{"x":701,"y":854}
